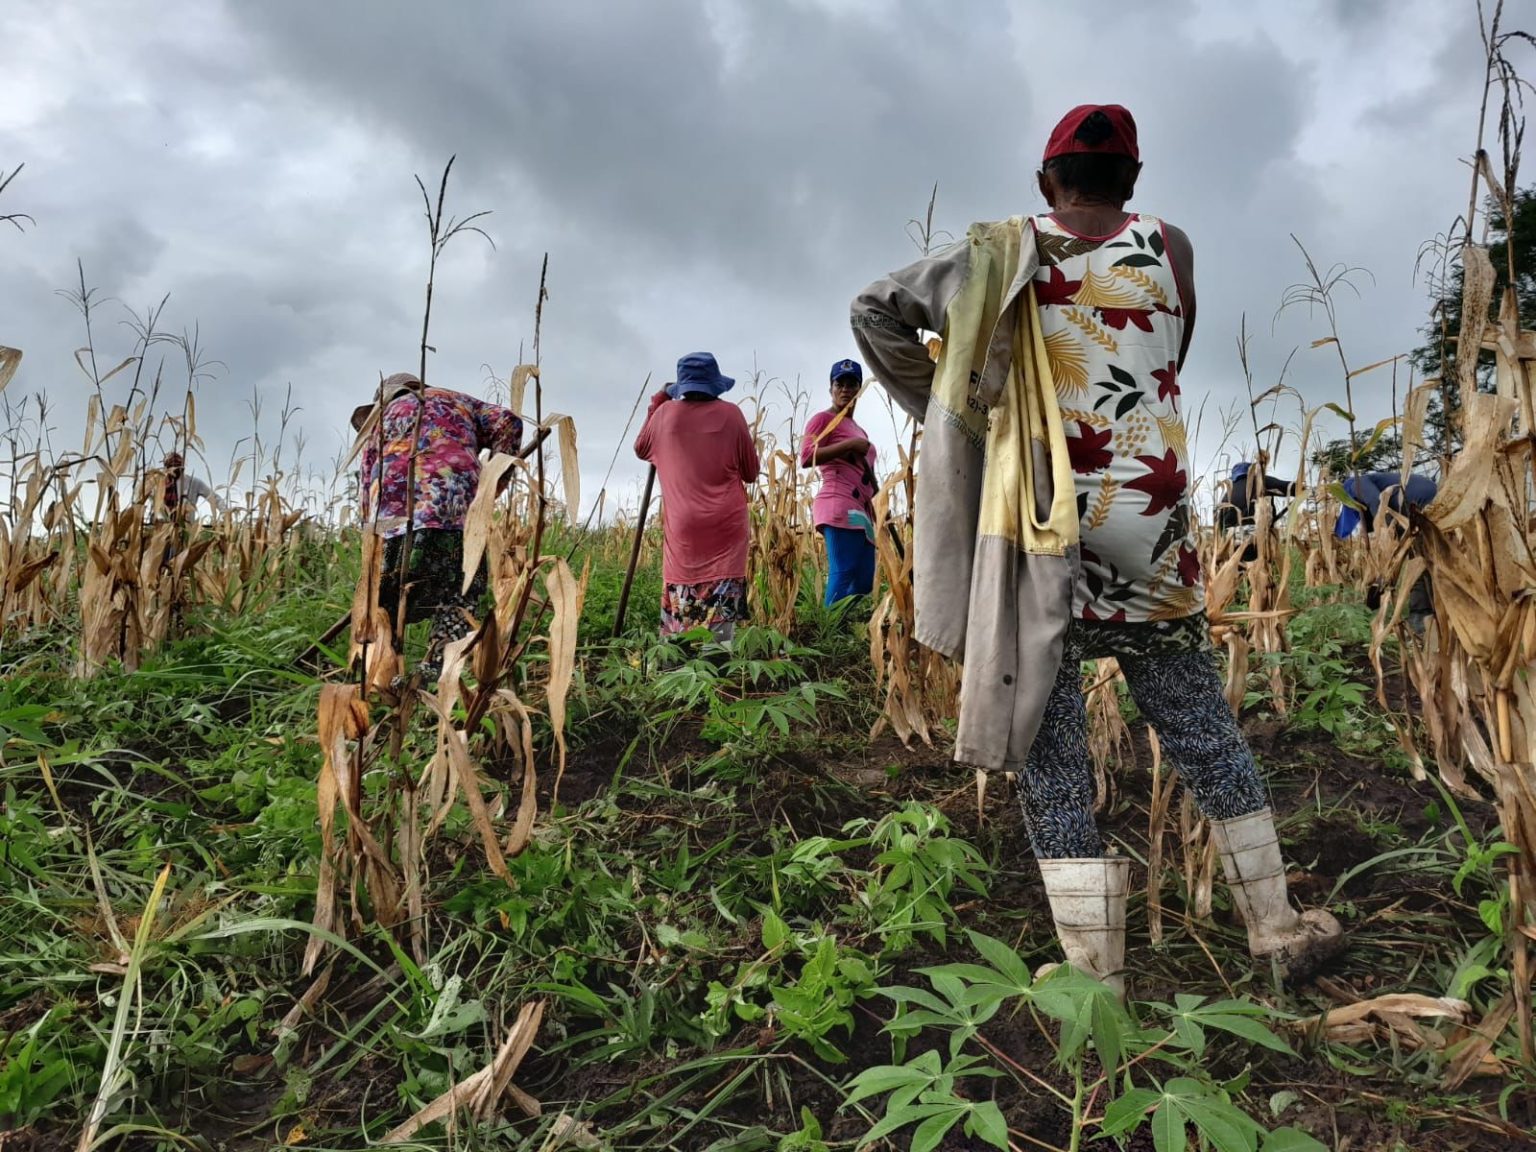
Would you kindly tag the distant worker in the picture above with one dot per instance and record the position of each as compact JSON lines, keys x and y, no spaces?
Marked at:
{"x":1404,"y":498}
{"x":843,"y":512}
{"x":454,"y":429}
{"x":1074,"y":322}
{"x":1237,"y":507}
{"x":1367,"y":489}
{"x":181,"y":492}
{"x":1241,"y":493}
{"x":705,"y":457}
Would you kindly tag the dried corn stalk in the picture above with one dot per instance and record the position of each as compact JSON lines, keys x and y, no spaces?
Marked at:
{"x":359,"y":865}
{"x":1473,"y":666}
{"x":503,"y":530}
{"x":1400,"y":1019}
{"x":1109,"y":737}
{"x":1164,"y":782}
{"x":782,"y":541}
{"x":1221,"y":582}
{"x":921,"y":687}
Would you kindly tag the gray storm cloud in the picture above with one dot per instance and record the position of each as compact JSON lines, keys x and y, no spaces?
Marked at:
{"x":704,"y":174}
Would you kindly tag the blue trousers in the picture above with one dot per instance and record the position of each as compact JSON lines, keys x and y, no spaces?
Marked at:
{"x":850,"y":563}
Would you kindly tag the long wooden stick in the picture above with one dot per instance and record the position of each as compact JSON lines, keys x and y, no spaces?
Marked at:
{"x":634,"y":553}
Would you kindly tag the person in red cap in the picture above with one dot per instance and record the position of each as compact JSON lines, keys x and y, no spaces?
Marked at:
{"x":1101,"y":301}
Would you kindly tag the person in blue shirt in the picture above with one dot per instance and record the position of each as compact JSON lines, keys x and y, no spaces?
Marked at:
{"x":1369,"y":489}
{"x":1243,"y":491}
{"x":1237,"y":507}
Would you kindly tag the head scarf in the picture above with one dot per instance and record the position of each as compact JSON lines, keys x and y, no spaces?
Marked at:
{"x":392,"y":388}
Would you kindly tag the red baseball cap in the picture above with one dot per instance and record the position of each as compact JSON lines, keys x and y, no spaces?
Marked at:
{"x":1120,"y":140}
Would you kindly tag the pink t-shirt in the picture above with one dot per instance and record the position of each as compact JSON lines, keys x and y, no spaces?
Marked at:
{"x":847,"y":486}
{"x":704,"y":457}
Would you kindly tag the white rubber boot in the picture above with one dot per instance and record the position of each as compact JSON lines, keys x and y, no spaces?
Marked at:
{"x":1250,"y":858}
{"x":1088,"y":904}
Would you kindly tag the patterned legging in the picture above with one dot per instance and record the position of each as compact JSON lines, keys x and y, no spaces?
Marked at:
{"x":1179,"y":693}
{"x":434,"y":591}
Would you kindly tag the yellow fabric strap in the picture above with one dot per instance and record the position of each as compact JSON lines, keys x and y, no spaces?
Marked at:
{"x":1026,"y":416}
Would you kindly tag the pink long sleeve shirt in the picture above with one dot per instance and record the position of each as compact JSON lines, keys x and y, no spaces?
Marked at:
{"x":847,"y":486}
{"x":704,"y":457}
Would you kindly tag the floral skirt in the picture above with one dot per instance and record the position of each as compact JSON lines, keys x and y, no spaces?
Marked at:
{"x":715,"y":604}
{"x":434,"y":589}
{"x":434,"y":576}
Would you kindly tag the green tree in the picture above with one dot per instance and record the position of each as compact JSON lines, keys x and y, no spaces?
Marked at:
{"x":1437,"y":356}
{"x":1372,"y":453}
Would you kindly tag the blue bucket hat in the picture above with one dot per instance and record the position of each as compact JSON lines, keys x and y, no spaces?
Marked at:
{"x":698,"y":372}
{"x":847,"y":368}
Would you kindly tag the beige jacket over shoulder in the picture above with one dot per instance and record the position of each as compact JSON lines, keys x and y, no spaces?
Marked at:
{"x":995,"y":516}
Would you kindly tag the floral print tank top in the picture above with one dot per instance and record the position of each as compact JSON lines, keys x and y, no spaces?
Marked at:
{"x":1112,"y":322}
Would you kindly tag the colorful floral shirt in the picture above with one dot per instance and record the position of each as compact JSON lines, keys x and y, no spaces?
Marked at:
{"x":847,"y":486}
{"x":1113,"y":324}
{"x":454,"y":429}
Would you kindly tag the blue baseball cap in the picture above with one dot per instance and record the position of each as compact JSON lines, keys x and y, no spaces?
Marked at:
{"x":845,"y":368}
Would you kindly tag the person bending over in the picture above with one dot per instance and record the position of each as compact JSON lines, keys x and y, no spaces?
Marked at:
{"x":454,"y":429}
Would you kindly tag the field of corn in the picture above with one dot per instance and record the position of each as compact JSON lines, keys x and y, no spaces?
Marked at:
{"x":259,"y":891}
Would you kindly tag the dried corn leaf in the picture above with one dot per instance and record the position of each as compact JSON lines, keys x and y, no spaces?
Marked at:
{"x":1474,"y":1046}
{"x":336,"y":715}
{"x":435,"y":789}
{"x":566,"y":1130}
{"x":570,"y":465}
{"x":508,"y":1060}
{"x":305,"y":1004}
{"x":456,"y":745}
{"x":527,"y":808}
{"x":343,"y":718}
{"x":518,"y":385}
{"x":10,"y":360}
{"x":1199,"y":851}
{"x":1341,"y":1022}
{"x":479,"y":520}
{"x":1470,"y":484}
{"x":476,"y":1093}
{"x":565,"y":596}
{"x":1396,"y":1019}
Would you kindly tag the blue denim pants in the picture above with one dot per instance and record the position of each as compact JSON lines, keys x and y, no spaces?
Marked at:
{"x":850,"y":563}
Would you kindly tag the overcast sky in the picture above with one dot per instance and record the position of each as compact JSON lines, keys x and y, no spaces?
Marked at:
{"x":720,"y":175}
